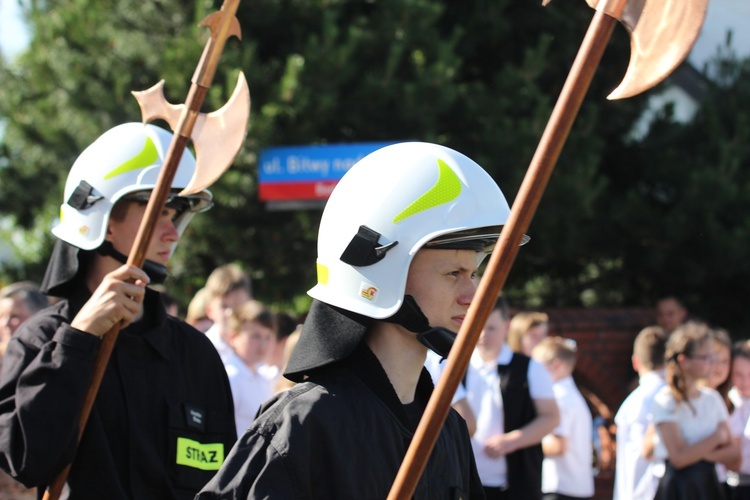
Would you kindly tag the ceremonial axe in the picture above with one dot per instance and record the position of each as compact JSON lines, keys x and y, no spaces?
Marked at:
{"x":662,"y":33}
{"x":217,"y":138}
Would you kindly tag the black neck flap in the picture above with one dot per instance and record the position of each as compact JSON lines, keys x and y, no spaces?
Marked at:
{"x":329,"y":335}
{"x":157,"y":273}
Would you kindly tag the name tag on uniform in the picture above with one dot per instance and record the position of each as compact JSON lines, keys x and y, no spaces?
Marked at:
{"x":195,"y":417}
{"x":208,"y":456}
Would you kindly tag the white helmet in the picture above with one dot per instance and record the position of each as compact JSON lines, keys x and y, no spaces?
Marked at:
{"x":389,"y":205}
{"x":125,"y":160}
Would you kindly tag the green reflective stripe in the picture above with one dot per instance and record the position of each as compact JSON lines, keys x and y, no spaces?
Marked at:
{"x":447,"y":188}
{"x":207,"y":456}
{"x":145,"y":158}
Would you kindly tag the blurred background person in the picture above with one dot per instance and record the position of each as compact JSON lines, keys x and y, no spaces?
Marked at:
{"x":567,"y":471}
{"x":513,"y":401}
{"x":721,"y":364}
{"x":252,"y":337}
{"x":228,"y":287}
{"x":670,"y":313}
{"x":738,"y":482}
{"x":196,"y":316}
{"x":636,"y":471}
{"x":18,"y":301}
{"x":718,"y":379}
{"x":283,"y":383}
{"x":691,"y":420}
{"x":285,"y":324}
{"x":527,"y":329}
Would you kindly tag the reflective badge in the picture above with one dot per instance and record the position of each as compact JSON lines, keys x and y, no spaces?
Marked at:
{"x":368,"y":291}
{"x":207,"y":456}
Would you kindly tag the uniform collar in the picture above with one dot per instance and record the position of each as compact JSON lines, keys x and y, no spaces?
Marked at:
{"x":152,"y":327}
{"x":366,"y":367}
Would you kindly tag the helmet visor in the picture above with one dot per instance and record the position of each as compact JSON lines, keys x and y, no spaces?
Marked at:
{"x":194,"y":203}
{"x":480,"y":239}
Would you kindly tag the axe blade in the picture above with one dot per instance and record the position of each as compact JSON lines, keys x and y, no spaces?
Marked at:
{"x":155,"y":106}
{"x":662,"y":33}
{"x":218,"y":137}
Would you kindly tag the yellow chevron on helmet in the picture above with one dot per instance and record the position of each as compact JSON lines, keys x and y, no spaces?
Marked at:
{"x":446,"y":189}
{"x":147,"y":156}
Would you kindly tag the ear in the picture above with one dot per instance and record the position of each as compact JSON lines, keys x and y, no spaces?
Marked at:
{"x":636,"y":364}
{"x":681,"y":359}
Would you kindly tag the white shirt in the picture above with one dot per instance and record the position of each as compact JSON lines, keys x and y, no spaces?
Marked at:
{"x":435,"y":365}
{"x":225,"y":350}
{"x":571,"y":473}
{"x":485,"y":400}
{"x":738,"y":423}
{"x":710,"y":411}
{"x":249,"y":390}
{"x":634,"y":474}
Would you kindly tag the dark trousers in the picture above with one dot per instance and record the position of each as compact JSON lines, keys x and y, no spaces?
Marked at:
{"x":739,"y":493}
{"x":495,"y":493}
{"x":560,"y":496}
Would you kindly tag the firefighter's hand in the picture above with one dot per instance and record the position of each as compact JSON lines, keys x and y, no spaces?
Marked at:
{"x":117,"y":299}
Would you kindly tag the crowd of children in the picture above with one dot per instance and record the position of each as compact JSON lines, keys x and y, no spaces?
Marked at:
{"x":683,"y":432}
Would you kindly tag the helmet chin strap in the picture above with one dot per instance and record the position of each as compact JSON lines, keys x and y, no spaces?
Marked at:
{"x":439,"y":339}
{"x":157,"y":273}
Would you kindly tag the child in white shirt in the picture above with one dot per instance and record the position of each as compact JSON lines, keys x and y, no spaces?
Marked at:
{"x":252,"y":337}
{"x":691,"y":420}
{"x":567,"y":471}
{"x":739,"y":482}
{"x":635,"y":475}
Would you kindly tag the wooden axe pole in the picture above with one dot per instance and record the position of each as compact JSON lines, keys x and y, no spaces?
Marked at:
{"x":524,"y":207}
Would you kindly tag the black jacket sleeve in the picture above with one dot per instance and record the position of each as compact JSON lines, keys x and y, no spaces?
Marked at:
{"x":47,"y":368}
{"x":253,"y":469}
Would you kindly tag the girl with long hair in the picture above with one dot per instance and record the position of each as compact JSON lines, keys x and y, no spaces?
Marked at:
{"x":691,"y":420}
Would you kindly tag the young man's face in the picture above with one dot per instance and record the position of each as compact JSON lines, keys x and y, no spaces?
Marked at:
{"x":443,"y":283}
{"x":122,"y":233}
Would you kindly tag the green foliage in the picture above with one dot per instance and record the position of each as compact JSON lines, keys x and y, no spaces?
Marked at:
{"x":620,"y":223}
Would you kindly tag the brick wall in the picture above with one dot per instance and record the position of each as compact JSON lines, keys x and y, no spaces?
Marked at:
{"x":603,"y":372}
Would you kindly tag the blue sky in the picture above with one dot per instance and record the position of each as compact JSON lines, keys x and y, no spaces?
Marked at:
{"x":13,"y":33}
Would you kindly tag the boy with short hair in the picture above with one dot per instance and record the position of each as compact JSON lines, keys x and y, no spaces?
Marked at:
{"x":567,"y":468}
{"x":227,"y":287}
{"x":635,"y":473}
{"x":514,"y":403}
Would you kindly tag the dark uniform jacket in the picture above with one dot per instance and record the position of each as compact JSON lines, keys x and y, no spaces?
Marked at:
{"x":343,"y":435}
{"x":160,"y":426}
